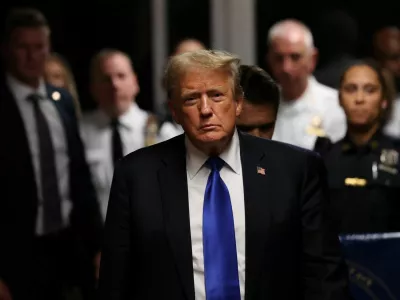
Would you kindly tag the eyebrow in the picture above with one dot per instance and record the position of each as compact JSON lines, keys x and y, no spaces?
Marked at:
{"x":190,"y":92}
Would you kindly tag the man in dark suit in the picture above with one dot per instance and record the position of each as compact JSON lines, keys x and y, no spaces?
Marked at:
{"x":50,"y":222}
{"x":214,"y":213}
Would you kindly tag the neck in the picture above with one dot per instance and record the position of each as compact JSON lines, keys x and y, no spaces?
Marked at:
{"x":294,"y":92}
{"x":31,"y":82}
{"x":360,"y":135}
{"x":215,"y":148}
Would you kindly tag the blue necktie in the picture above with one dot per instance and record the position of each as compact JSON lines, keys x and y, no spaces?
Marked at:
{"x":219,"y":243}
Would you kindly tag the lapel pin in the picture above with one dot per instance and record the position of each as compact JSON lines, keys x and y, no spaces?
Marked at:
{"x":260,"y":171}
{"x":56,"y":96}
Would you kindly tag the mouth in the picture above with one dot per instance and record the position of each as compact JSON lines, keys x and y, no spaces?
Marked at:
{"x":359,"y":111}
{"x":208,"y":127}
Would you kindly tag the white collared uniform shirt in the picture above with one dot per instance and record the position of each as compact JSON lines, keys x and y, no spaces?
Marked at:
{"x":96,"y":134}
{"x":197,"y":176}
{"x":169,"y":130}
{"x":20,"y":92}
{"x":318,"y":102}
{"x":392,"y":127}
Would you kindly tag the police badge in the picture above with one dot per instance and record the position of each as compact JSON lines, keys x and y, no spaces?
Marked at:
{"x":389,"y":159}
{"x":315,"y":128}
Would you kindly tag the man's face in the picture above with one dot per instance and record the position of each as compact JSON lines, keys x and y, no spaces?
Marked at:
{"x":115,"y":85}
{"x":26,"y":53}
{"x":291,"y":62}
{"x":204,"y":105}
{"x":361,"y":96}
{"x":257,"y":119}
{"x":387,"y":45}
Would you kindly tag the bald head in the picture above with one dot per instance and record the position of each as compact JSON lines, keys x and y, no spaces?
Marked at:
{"x":293,"y":31}
{"x":291,"y":56}
{"x":188,"y":45}
{"x":386,"y":45}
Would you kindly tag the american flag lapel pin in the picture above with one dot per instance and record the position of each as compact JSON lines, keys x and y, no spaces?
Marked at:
{"x":260,"y":171}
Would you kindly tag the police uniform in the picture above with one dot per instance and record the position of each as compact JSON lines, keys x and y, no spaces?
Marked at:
{"x":137,"y":129}
{"x":364,"y":184}
{"x":316,"y":113}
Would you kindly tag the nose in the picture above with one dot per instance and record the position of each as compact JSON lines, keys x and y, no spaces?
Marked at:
{"x":114,"y":83}
{"x":287,"y":65}
{"x":205,"y":108}
{"x":359,"y":97}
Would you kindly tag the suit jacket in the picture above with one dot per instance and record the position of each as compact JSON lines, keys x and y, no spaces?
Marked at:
{"x":18,"y":190}
{"x":291,"y":250}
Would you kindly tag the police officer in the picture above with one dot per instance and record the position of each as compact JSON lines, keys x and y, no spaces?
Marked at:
{"x":363,"y":167}
{"x":308,"y":109}
{"x":261,"y":102}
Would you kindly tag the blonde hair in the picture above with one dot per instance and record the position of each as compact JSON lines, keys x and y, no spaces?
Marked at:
{"x":69,"y":79}
{"x":214,"y":60}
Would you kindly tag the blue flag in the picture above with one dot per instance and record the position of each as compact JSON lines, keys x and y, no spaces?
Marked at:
{"x":374,"y":265}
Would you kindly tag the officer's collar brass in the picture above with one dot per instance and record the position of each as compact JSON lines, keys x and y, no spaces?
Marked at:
{"x":372,"y":145}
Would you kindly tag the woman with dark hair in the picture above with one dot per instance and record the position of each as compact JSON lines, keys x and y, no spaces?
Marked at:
{"x":363,"y":167}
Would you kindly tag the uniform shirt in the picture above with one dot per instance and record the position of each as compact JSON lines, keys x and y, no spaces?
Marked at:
{"x":392,"y":127}
{"x":316,"y":113}
{"x":365,"y":185}
{"x":96,"y":134}
{"x":169,"y":130}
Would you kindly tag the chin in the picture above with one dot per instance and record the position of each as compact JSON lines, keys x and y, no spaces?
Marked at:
{"x":212,"y":136}
{"x":359,"y":122}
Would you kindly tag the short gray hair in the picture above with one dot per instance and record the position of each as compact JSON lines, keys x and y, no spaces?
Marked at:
{"x":203,"y":59}
{"x":281,"y":28}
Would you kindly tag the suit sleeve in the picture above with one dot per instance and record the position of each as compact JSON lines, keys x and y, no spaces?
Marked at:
{"x":325,"y":274}
{"x":114,"y":270}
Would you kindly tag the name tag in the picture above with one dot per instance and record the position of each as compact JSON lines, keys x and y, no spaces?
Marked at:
{"x":349,"y":181}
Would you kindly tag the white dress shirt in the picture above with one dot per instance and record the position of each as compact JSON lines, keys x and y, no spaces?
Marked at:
{"x":20,"y":92}
{"x":169,"y":130}
{"x":96,"y":134}
{"x":392,"y":127}
{"x":318,"y":103}
{"x":197,"y":176}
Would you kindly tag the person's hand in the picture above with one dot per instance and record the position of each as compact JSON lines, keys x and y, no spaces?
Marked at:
{"x":5,"y":293}
{"x":96,"y":262}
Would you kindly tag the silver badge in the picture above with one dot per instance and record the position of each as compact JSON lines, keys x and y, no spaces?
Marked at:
{"x":389,"y":157}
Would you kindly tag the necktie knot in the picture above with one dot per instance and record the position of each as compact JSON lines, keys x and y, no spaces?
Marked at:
{"x":34,"y":98}
{"x":114,"y":123}
{"x":215,"y":163}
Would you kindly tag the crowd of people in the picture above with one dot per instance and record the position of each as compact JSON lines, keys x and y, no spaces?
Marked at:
{"x":78,"y":211}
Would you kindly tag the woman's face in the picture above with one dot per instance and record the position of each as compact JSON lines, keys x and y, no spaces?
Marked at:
{"x":361,"y":96}
{"x":55,"y":74}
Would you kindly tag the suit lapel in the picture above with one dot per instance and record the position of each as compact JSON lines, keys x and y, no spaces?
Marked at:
{"x":257,"y":210}
{"x":174,"y":193}
{"x":56,"y":97}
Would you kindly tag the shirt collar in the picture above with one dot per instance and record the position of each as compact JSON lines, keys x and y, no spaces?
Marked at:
{"x":195,"y":159}
{"x":376,"y":142}
{"x":299,"y":104}
{"x":21,"y":90}
{"x":127,"y":119}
